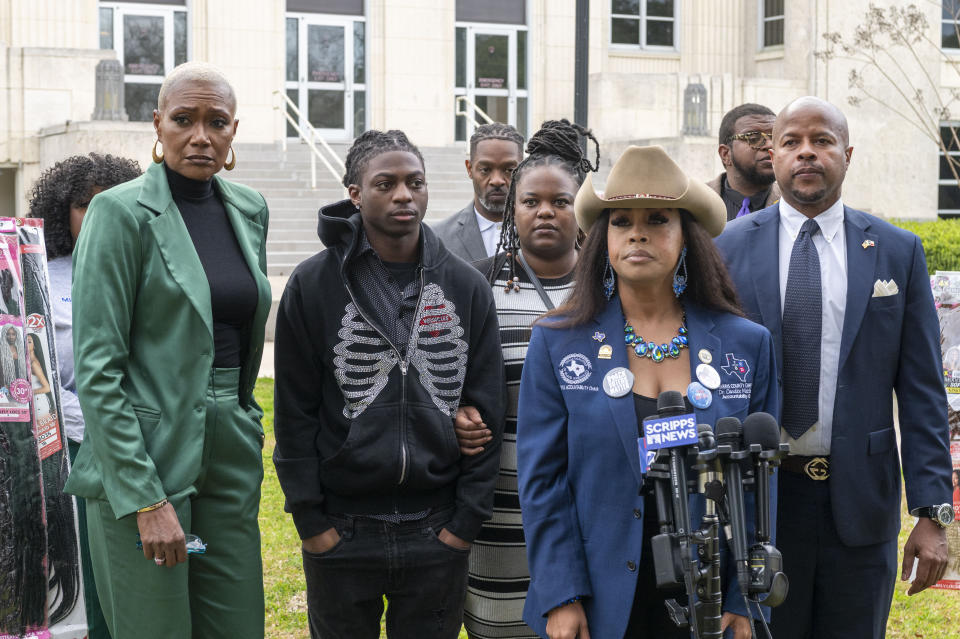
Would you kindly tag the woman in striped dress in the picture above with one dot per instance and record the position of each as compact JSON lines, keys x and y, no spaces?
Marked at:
{"x":530,"y":273}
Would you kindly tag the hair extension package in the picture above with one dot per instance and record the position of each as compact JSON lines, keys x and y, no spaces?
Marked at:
{"x":55,"y":607}
{"x":946,"y":295}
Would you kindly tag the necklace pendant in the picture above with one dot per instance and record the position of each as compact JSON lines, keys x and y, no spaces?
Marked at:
{"x":656,"y":354}
{"x":640,"y":349}
{"x":674,"y":351}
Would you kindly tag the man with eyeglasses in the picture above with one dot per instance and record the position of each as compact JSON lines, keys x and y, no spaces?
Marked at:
{"x":748,"y":184}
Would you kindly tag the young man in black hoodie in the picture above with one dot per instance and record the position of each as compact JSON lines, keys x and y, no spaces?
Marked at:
{"x":379,"y":339}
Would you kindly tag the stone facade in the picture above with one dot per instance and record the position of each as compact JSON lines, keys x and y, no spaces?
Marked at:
{"x":49,"y":52}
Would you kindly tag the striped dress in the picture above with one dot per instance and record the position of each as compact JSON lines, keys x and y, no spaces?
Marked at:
{"x":498,"y":576}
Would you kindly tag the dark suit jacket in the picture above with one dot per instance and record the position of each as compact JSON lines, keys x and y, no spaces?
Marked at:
{"x":888,"y":344}
{"x":773,"y":195}
{"x":461,"y":235}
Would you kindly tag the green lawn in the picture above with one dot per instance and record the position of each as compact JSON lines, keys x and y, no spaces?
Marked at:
{"x":930,"y":615}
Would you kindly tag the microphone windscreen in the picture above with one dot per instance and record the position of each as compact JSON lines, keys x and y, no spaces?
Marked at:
{"x":728,"y":430}
{"x":705,"y":438}
{"x":671,"y":401}
{"x":761,"y":428}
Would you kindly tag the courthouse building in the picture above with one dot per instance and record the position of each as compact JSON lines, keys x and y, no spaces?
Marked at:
{"x":660,"y":71}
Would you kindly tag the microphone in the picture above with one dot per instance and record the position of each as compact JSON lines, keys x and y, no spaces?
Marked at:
{"x":671,"y":404}
{"x":674,"y":430}
{"x":761,"y":436}
{"x":761,"y":433}
{"x":729,"y":448}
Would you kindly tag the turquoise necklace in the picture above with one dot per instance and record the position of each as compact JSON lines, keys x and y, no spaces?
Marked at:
{"x":656,"y":352}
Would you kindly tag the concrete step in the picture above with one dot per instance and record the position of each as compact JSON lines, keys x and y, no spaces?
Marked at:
{"x":283,"y":177}
{"x":278,"y":246}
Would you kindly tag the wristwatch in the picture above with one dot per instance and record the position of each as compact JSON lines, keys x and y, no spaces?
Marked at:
{"x":941,"y":515}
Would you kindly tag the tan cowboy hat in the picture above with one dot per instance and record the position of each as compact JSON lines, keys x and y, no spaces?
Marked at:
{"x":646,"y":178}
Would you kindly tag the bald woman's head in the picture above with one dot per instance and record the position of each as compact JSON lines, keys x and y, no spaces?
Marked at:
{"x":200,"y":73}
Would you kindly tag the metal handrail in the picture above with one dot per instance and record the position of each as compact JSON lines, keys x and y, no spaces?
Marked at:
{"x":462,"y":99}
{"x":310,"y":142}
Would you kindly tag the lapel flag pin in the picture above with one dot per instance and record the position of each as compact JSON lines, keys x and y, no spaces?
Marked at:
{"x":599,"y":336}
{"x":868,"y":243}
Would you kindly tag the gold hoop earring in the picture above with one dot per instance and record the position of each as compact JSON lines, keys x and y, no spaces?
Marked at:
{"x":158,"y":158}
{"x":233,"y":162}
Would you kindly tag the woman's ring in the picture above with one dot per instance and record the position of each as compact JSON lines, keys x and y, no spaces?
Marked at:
{"x":159,"y":560}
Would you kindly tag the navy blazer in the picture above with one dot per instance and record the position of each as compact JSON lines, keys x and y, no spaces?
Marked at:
{"x":889,"y":343}
{"x":579,"y":467}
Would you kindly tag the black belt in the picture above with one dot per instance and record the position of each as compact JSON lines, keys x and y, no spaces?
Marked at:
{"x":816,"y":468}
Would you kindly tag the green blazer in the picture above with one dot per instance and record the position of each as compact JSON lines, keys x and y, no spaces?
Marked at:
{"x":143,"y":339}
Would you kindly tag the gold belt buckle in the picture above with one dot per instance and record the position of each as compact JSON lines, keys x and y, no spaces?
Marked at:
{"x":817,"y":469}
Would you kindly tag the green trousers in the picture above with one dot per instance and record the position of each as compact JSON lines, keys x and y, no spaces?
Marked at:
{"x":216,"y":594}
{"x":96,"y":624}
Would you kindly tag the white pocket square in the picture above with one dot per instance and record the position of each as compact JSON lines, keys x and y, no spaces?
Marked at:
{"x":883,"y":288}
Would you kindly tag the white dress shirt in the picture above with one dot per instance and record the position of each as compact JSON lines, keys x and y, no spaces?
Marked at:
{"x":831,"y":247}
{"x":489,"y":231}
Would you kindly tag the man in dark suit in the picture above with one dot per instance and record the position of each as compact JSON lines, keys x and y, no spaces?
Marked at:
{"x":747,"y":182}
{"x":847,"y":299}
{"x":472,"y":234}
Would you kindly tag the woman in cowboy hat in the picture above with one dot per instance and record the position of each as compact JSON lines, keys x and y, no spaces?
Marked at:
{"x":652,"y":310}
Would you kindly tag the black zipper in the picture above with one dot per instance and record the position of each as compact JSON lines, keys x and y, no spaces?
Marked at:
{"x":404,"y":364}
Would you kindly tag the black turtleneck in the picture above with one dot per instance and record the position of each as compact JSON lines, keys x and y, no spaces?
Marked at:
{"x":233,"y":291}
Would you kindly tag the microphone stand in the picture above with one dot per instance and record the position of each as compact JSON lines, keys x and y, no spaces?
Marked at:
{"x":709,"y":603}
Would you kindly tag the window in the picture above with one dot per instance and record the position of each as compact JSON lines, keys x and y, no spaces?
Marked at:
{"x":150,"y":40}
{"x":695,"y":110}
{"x":771,"y":23}
{"x":948,"y":193}
{"x":490,"y":72}
{"x":949,"y":38}
{"x":647,"y":24}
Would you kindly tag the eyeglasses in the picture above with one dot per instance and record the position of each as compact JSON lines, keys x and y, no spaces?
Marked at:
{"x":754,"y":139}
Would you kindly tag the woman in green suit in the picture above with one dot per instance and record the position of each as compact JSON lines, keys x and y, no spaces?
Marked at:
{"x":170,"y":298}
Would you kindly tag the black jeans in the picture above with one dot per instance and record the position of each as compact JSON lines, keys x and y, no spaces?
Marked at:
{"x":423,"y":579}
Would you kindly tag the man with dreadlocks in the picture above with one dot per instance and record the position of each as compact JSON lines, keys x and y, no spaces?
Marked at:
{"x":530,"y":274}
{"x":495,"y":151}
{"x":379,"y":339}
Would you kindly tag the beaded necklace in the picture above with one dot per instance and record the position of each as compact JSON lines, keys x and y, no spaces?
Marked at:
{"x":656,"y":352}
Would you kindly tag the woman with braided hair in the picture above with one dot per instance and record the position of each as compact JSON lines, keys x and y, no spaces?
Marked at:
{"x":530,"y":273}
{"x":11,"y":357}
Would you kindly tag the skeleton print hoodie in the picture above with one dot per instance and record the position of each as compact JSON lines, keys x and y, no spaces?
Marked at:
{"x":365,"y":426}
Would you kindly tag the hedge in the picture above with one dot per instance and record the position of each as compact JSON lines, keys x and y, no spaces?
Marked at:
{"x":941,"y":242}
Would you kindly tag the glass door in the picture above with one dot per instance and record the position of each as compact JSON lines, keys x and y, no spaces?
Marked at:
{"x":326,"y":74}
{"x":150,"y":40}
{"x":491,"y":73}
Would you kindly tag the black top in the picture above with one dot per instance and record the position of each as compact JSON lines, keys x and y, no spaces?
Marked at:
{"x":389,"y":290}
{"x":402,"y":272}
{"x":733,"y":199}
{"x":647,"y":407}
{"x":233,"y":291}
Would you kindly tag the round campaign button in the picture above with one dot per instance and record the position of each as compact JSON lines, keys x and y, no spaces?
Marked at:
{"x":705,"y":356}
{"x":618,"y":382}
{"x":699,"y":395}
{"x":708,"y":376}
